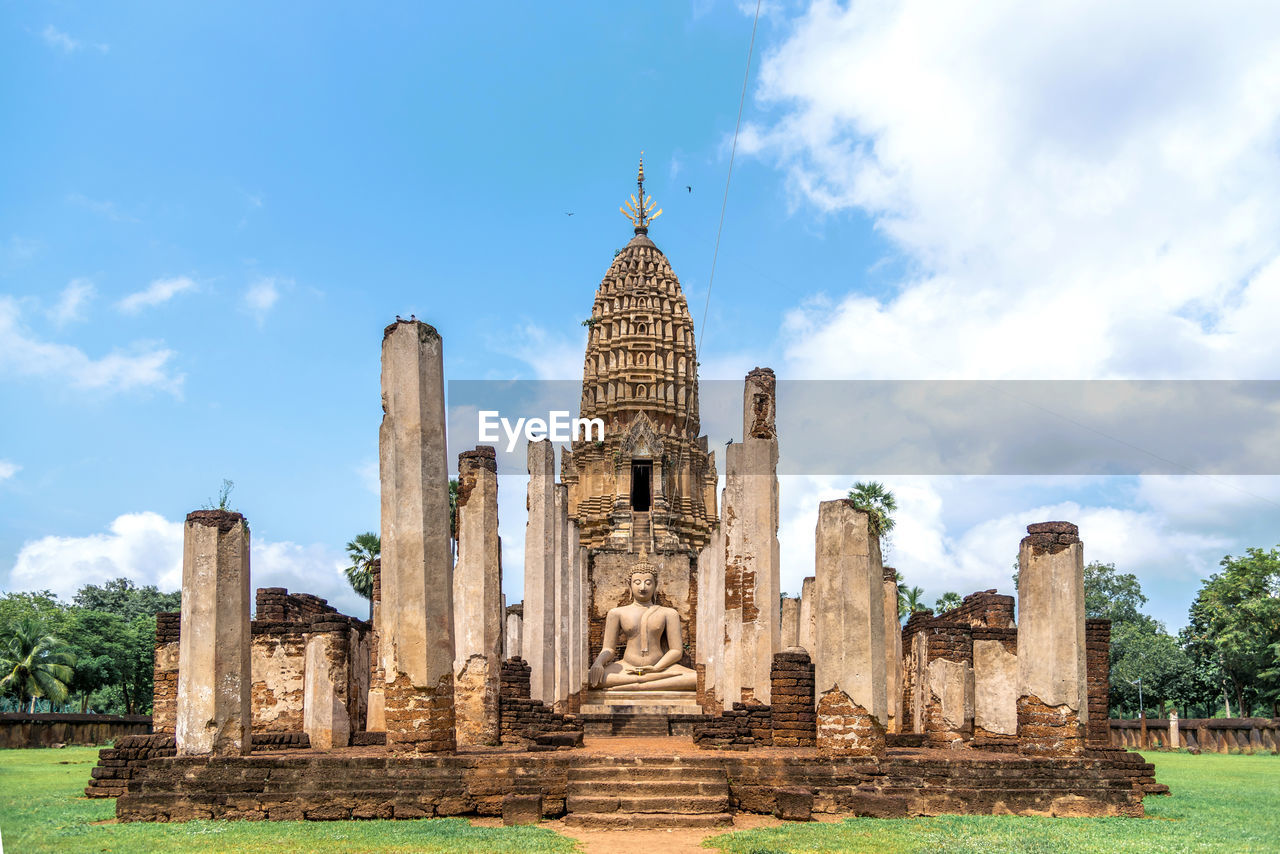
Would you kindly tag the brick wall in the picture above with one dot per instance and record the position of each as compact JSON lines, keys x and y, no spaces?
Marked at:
{"x":164,"y":700}
{"x":521,"y":718}
{"x":1097,"y":637}
{"x":985,"y":608}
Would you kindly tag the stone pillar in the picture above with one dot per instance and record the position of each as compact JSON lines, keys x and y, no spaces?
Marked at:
{"x":326,"y":717}
{"x":892,"y":651}
{"x":946,"y":683}
{"x":1175,"y":741}
{"x":376,"y":720}
{"x":710,"y":620}
{"x":1097,"y":633}
{"x":790,"y":622}
{"x":512,"y":637}
{"x":565,"y":552}
{"x":752,"y":558}
{"x":539,"y":643}
{"x":415,"y":648}
{"x":573,"y":656}
{"x":477,"y":600}
{"x":584,"y":619}
{"x":1052,"y":689}
{"x":807,"y":627}
{"x":995,"y":681}
{"x":850,"y":660}
{"x":164,"y":673}
{"x":212,"y":715}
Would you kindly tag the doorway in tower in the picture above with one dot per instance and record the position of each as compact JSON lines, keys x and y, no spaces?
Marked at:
{"x":641,"y":478}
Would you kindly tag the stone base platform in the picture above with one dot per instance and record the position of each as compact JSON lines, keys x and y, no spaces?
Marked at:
{"x":640,"y":703}
{"x":370,"y":782}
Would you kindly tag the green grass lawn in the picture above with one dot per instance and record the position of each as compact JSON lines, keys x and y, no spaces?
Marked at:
{"x":1219,"y":804}
{"x":43,"y":808}
{"x":1228,"y":804}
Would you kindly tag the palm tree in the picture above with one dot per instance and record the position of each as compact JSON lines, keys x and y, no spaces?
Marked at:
{"x":364,"y":550}
{"x":946,"y":602}
{"x":910,"y":600}
{"x":35,"y":664}
{"x":877,"y":500}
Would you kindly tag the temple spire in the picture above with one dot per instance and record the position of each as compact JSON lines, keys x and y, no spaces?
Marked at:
{"x":639,"y":206}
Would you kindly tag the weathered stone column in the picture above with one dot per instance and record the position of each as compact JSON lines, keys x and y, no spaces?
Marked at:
{"x":790,"y":623}
{"x":164,"y":672}
{"x":850,"y":660}
{"x":212,"y":714}
{"x":1175,"y":741}
{"x":326,"y":713}
{"x":807,"y":626}
{"x":539,"y":643}
{"x":477,"y":600}
{"x":512,"y":637}
{"x":415,"y":649}
{"x":1052,"y":690}
{"x":752,"y":558}
{"x":892,"y":651}
{"x":709,"y":659}
{"x":564,"y":556}
{"x":945,"y":683}
{"x":376,"y":720}
{"x":995,"y":682}
{"x":577,"y":627}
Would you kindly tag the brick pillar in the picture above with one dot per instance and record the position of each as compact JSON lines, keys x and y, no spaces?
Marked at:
{"x":850,"y":660}
{"x":477,"y":600}
{"x":539,"y":572}
{"x":1097,"y":635}
{"x":794,"y":720}
{"x":326,"y":704}
{"x":415,"y":648}
{"x":164,"y":703}
{"x":1052,"y":689}
{"x":212,"y":715}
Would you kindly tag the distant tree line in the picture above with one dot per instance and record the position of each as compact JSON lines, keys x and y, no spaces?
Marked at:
{"x":92,"y":654}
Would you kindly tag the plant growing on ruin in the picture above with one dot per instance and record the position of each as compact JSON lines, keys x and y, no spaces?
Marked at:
{"x":875,"y":499}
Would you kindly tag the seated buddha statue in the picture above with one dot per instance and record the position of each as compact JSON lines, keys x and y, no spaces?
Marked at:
{"x":651,"y":660}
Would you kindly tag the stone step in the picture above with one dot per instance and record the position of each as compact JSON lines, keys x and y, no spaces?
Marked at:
{"x":658,"y":804}
{"x":647,"y":821}
{"x":633,"y":788}
{"x":606,"y":774}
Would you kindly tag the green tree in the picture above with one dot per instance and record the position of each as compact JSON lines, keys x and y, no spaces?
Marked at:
{"x":120,"y":597}
{"x":877,"y":500}
{"x":1142,"y":649}
{"x":35,"y":664}
{"x":97,"y":641}
{"x":910,"y":600}
{"x":363,"y":551}
{"x":1234,"y":628}
{"x":946,"y":602}
{"x":1113,"y":595}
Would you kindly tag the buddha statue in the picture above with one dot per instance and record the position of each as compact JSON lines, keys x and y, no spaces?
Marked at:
{"x":651,"y":660}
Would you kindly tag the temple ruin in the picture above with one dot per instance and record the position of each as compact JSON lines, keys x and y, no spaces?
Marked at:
{"x":652,"y":608}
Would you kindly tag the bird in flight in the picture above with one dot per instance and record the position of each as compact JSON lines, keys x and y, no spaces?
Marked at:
{"x":687,"y":187}
{"x":568,"y":213}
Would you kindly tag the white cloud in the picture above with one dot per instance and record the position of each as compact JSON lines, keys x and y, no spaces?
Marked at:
{"x":147,"y":549}
{"x":552,"y":356}
{"x":261,"y":296}
{"x":71,"y":302}
{"x":55,"y":38}
{"x":8,"y":469}
{"x":158,"y":292}
{"x":21,"y":354}
{"x":1080,"y":190}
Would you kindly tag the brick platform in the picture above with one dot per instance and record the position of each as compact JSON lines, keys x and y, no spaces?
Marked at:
{"x":375,"y":783}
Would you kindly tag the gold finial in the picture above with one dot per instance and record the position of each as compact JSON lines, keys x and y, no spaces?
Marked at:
{"x":639,"y":208}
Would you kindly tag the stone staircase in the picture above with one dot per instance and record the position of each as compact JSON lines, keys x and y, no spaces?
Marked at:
{"x":641,"y":532}
{"x":647,"y":793}
{"x":640,"y":725}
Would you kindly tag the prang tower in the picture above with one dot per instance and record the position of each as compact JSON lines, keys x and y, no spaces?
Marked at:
{"x":651,"y":483}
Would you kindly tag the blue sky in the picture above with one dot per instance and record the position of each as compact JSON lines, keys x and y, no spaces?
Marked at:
{"x":211,"y":212}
